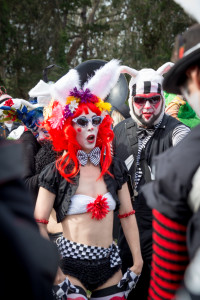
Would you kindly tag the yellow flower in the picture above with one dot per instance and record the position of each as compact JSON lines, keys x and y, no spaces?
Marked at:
{"x":103,"y":106}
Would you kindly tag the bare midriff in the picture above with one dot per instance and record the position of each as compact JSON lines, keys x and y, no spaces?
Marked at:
{"x":83,"y":229}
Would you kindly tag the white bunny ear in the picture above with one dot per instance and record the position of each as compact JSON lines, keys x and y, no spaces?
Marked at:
{"x":165,"y":68}
{"x":42,"y":92}
{"x":104,"y":79}
{"x":61,"y":88}
{"x":127,"y":70}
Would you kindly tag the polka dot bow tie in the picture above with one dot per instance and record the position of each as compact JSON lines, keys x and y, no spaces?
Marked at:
{"x":93,"y":156}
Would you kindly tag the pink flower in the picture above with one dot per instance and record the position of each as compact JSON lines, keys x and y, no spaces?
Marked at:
{"x":98,"y":208}
{"x":57,"y":119}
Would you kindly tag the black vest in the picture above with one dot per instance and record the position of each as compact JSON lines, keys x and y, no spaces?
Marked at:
{"x":126,"y":144}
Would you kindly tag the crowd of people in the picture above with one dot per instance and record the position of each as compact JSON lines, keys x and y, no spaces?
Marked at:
{"x":101,"y":200}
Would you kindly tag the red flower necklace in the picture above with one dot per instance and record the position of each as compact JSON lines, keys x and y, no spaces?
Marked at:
{"x":98,"y":208}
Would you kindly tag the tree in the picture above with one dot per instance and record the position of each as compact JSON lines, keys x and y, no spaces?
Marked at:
{"x":35,"y":34}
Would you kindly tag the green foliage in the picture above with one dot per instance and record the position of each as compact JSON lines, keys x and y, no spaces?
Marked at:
{"x":35,"y":34}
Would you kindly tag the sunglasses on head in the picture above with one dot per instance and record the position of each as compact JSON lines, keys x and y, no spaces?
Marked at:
{"x":83,"y":121}
{"x":142,"y":100}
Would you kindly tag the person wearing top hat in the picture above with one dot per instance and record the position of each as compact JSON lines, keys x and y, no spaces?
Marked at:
{"x":137,"y":140}
{"x":85,"y":186}
{"x":174,"y":195}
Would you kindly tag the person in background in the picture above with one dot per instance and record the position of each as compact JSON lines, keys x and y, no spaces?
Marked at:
{"x":174,"y":194}
{"x":119,"y":113}
{"x":7,"y":126}
{"x":38,"y":151}
{"x":178,"y":107}
{"x":137,"y":140}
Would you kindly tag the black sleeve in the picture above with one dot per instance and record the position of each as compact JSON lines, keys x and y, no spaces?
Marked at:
{"x":49,"y":178}
{"x":12,"y":188}
{"x":120,"y":172}
{"x":31,"y":147}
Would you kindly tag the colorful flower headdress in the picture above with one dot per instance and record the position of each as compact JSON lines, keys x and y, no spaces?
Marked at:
{"x":20,"y":110}
{"x":66,"y":94}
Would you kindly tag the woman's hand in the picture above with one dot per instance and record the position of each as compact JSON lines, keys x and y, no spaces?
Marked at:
{"x":137,"y":267}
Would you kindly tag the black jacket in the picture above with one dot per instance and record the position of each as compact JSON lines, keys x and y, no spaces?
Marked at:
{"x":36,"y":156}
{"x":51,"y":179}
{"x":168,"y":194}
{"x":28,"y":261}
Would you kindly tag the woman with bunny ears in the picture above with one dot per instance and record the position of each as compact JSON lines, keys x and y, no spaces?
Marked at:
{"x":85,"y":186}
{"x":138,"y":139}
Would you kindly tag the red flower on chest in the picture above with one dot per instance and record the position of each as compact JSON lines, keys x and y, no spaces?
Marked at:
{"x":98,"y":208}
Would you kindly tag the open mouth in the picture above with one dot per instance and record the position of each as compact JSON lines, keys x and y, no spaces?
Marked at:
{"x":91,"y":138}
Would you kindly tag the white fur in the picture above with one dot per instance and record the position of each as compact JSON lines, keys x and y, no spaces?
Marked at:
{"x":42,"y":92}
{"x":192,"y":8}
{"x":104,"y":79}
{"x":61,"y":88}
{"x":165,"y":68}
{"x":128,"y":70}
{"x":138,"y":78}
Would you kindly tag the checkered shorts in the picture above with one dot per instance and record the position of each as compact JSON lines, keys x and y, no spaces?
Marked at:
{"x":84,"y":252}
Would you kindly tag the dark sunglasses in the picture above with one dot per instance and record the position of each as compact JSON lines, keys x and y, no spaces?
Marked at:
{"x":142,"y":100}
{"x":83,"y":121}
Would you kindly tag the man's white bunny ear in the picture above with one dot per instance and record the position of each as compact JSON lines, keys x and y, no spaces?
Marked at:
{"x":61,"y":88}
{"x":165,"y":68}
{"x":128,"y":70}
{"x":104,"y":79}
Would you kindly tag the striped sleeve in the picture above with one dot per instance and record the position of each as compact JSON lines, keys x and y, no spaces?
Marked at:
{"x":179,"y":133}
{"x":170,"y":257}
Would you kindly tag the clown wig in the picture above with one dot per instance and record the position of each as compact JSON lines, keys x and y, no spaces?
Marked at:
{"x":65,"y":140}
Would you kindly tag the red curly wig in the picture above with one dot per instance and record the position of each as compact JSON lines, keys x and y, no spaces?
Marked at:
{"x":65,"y":140}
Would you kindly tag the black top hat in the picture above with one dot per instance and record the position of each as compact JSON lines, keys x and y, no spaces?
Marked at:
{"x":187,"y":53}
{"x":118,"y":95}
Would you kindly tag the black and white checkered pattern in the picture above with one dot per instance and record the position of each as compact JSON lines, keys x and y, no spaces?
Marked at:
{"x":93,"y":156}
{"x":61,"y":290}
{"x":75,"y":250}
{"x":129,"y":281}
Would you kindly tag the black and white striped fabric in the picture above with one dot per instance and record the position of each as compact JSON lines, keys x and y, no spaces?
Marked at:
{"x":146,"y":87}
{"x":129,"y":281}
{"x":142,"y":141}
{"x":178,"y":134}
{"x":76,"y":250}
{"x":93,"y":156}
{"x":61,"y":290}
